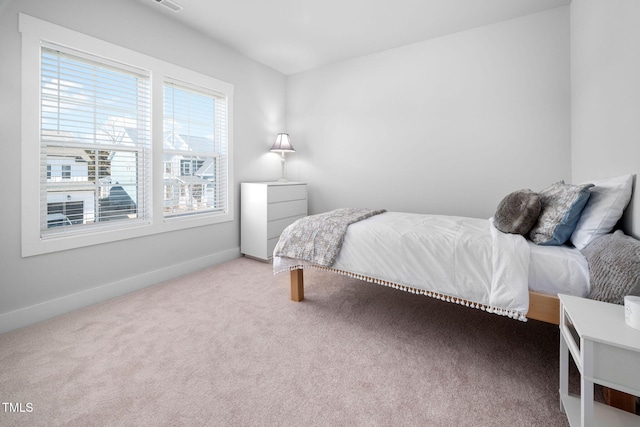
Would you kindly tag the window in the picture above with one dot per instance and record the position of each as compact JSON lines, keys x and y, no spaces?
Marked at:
{"x":66,"y":171}
{"x":95,"y":126}
{"x":190,"y":166}
{"x":195,"y":139}
{"x":88,"y":135}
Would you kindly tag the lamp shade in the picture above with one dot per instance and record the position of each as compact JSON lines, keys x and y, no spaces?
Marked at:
{"x":282,"y":144}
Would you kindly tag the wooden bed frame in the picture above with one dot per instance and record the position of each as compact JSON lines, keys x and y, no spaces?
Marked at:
{"x":542,"y":306}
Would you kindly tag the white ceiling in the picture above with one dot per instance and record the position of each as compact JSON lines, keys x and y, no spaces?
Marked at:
{"x":298,"y":35}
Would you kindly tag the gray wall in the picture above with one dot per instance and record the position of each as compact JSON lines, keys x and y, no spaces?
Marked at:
{"x":449,"y":125}
{"x":37,"y":287}
{"x":605,"y":100}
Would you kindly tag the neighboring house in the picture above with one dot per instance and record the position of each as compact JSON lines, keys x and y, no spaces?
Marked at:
{"x":189,"y":175}
{"x":118,"y":205}
{"x":83,"y":185}
{"x":84,"y":189}
{"x":69,"y":190}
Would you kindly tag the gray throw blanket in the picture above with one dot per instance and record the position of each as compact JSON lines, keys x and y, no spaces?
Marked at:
{"x":318,"y":238}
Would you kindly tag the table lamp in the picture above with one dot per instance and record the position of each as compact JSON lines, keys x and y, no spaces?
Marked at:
{"x":282,"y":145}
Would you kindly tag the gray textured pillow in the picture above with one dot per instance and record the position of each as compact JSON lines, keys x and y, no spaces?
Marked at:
{"x":635,"y":291}
{"x":614,"y":266}
{"x":562,"y":205}
{"x":518,"y":212}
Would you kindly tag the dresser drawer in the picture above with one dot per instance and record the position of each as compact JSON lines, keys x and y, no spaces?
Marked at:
{"x":282,"y":193}
{"x":281,"y":210}
{"x":275,"y":228}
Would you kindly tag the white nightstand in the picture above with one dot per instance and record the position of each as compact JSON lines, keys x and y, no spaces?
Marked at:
{"x":606,"y":351}
{"x":267,"y":208}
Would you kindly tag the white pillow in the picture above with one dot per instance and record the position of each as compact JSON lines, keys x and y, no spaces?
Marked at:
{"x":608,"y":200}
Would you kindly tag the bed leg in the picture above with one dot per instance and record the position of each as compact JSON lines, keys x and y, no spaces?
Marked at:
{"x":297,"y":285}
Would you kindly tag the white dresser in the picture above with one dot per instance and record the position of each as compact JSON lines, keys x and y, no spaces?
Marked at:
{"x":267,"y":208}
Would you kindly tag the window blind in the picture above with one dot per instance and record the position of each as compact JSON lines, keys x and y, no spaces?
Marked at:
{"x":195,"y":152}
{"x":94,"y":142}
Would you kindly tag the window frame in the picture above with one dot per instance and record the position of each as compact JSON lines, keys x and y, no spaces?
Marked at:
{"x":34,"y":31}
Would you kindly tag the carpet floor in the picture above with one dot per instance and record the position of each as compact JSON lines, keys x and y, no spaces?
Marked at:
{"x":226,"y":347}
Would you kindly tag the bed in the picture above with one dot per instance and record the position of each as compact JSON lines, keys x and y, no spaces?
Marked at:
{"x":513,"y":264}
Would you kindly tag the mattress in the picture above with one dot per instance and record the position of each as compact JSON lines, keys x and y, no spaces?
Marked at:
{"x":558,"y":269}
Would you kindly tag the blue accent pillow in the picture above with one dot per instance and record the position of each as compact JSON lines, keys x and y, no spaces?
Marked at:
{"x":562,"y":205}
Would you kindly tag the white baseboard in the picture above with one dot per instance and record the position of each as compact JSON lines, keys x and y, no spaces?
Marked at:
{"x":38,"y":312}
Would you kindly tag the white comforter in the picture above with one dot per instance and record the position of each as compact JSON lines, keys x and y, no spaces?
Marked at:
{"x":459,"y":257}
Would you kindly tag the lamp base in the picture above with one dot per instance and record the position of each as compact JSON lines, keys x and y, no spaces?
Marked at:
{"x":283,"y":163}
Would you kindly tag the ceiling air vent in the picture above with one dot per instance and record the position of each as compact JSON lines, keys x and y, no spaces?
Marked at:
{"x":171,"y":5}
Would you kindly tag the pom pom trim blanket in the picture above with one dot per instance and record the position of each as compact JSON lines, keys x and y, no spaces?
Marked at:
{"x":446,"y":257}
